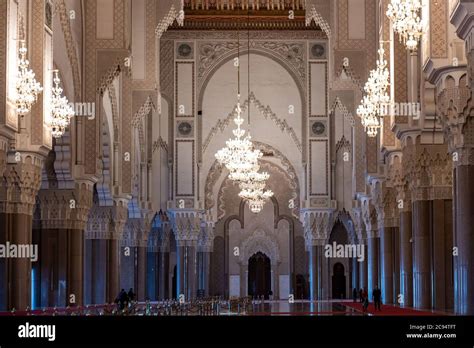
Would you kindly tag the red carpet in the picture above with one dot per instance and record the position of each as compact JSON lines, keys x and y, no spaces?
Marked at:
{"x":389,"y":310}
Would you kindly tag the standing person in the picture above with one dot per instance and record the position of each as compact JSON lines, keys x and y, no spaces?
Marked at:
{"x":354,"y":295}
{"x":122,"y":298}
{"x":361,"y":295}
{"x":131,"y":295}
{"x":377,"y":297}
{"x":365,"y":305}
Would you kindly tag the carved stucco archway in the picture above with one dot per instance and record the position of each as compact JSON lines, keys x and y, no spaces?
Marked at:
{"x":217,"y":173}
{"x":260,"y":241}
{"x":297,"y":75}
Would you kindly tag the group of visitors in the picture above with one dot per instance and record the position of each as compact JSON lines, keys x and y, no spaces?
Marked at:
{"x":124,"y":298}
{"x":363,"y":297}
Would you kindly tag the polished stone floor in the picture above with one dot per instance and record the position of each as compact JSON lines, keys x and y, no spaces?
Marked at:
{"x":301,"y":308}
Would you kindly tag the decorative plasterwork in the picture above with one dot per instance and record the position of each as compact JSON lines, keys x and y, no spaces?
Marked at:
{"x":317,"y":225}
{"x":20,"y":184}
{"x":64,"y":209}
{"x":313,"y":15}
{"x":265,"y":111}
{"x":115,"y":115}
{"x":439,"y":28}
{"x":135,"y":233}
{"x":244,"y":5}
{"x":165,"y":22}
{"x":214,"y":54}
{"x":186,"y":225}
{"x":291,"y":189}
{"x":231,"y":35}
{"x":262,"y":242}
{"x":106,"y":222}
{"x":60,"y":8}
{"x":160,"y":144}
{"x":347,"y":115}
{"x":216,"y":171}
{"x":150,"y":65}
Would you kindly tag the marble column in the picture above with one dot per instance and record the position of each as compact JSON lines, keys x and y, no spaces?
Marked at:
{"x":396,"y":263}
{"x":421,"y":255}
{"x":317,"y":272}
{"x":355,"y":273}
{"x":386,"y":263}
{"x":363,"y":267}
{"x":141,"y":273}
{"x":204,"y":269}
{"x":180,"y":270}
{"x":75,"y":270}
{"x":243,"y":280}
{"x":20,"y":277}
{"x":163,"y":275}
{"x":406,"y":259}
{"x":442,"y":255}
{"x":373,"y":261}
{"x":113,"y":269}
{"x":464,"y":239}
{"x":191,"y":255}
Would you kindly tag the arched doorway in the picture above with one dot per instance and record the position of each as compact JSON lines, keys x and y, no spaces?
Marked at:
{"x":259,"y":279}
{"x":338,"y":281}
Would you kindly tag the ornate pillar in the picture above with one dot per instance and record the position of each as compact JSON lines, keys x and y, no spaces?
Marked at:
{"x":61,"y":221}
{"x":205,"y":248}
{"x":135,"y":237}
{"x":186,"y":225}
{"x":361,"y":235}
{"x":384,"y":199}
{"x":317,"y":224}
{"x":163,"y":262}
{"x":369,"y":216}
{"x":18,"y":190}
{"x":105,"y":228}
{"x":405,"y":296}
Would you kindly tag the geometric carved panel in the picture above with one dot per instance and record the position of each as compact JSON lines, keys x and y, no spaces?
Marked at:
{"x":318,"y":168}
{"x":184,"y":179}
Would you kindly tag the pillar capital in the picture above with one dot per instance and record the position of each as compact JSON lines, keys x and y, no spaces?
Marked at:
{"x":106,"y":222}
{"x":65,"y":208}
{"x":317,"y":225}
{"x":21,"y":182}
{"x":186,"y":225}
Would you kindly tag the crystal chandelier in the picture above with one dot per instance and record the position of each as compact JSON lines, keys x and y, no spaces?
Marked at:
{"x":61,"y":111}
{"x":27,"y":88}
{"x":406,"y":21}
{"x":376,"y":89}
{"x":254,"y":191}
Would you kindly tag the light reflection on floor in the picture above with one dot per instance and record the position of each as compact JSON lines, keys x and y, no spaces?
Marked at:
{"x":301,"y":308}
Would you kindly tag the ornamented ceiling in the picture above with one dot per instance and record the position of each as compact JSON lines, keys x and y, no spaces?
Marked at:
{"x":233,"y":14}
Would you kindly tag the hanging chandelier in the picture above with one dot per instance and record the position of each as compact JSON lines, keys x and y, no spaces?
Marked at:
{"x":406,"y":21}
{"x":254,"y":191}
{"x":61,"y":111}
{"x":376,"y":89}
{"x":238,"y":156}
{"x":27,"y":88}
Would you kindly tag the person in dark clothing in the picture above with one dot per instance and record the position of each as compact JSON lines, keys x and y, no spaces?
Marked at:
{"x":131,"y":295}
{"x":122,"y":298}
{"x":361,"y":295}
{"x":354,"y":295}
{"x":365,"y":304}
{"x":377,"y":297}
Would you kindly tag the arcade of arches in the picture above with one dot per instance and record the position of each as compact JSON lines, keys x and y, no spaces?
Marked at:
{"x":131,"y":195}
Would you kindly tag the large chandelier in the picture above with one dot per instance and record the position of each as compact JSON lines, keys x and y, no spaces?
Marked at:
{"x":376,"y":96}
{"x":61,"y":111}
{"x":254,"y":191}
{"x":239,"y":156}
{"x":406,"y":21}
{"x":27,"y":88}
